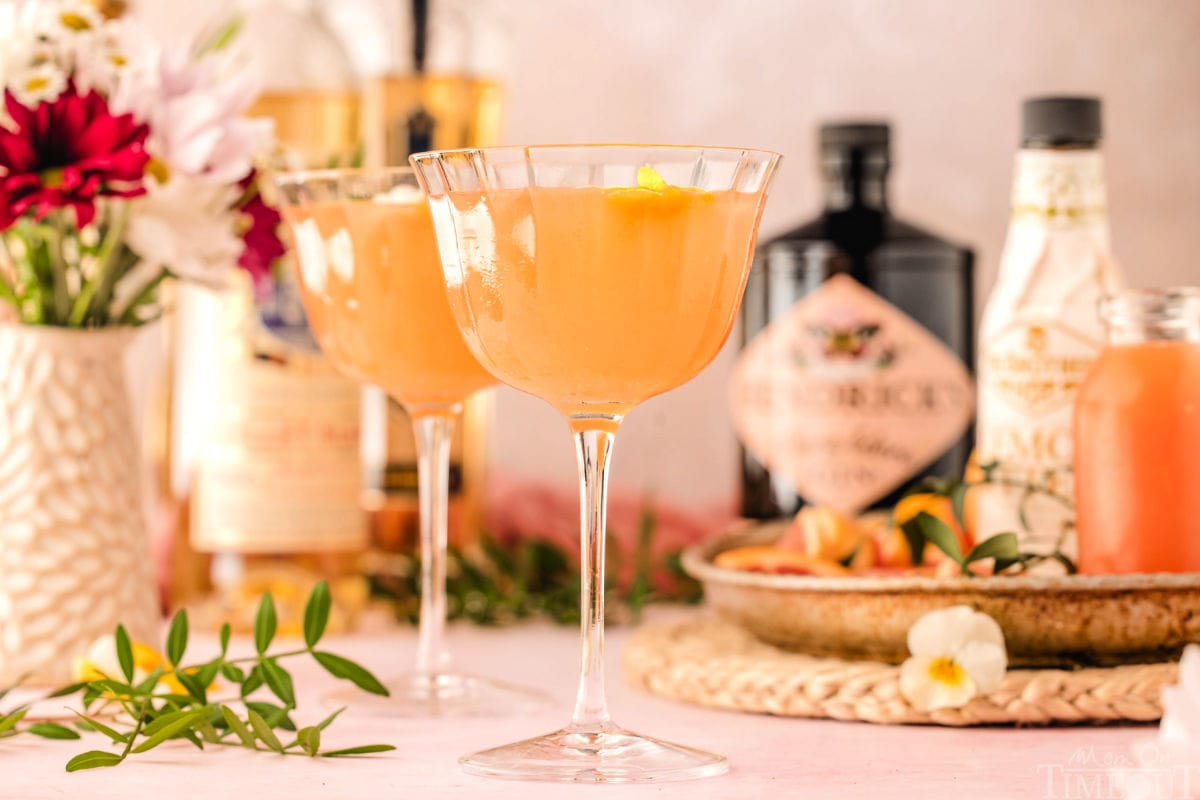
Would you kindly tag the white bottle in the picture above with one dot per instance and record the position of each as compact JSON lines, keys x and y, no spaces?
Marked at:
{"x":1040,"y":330}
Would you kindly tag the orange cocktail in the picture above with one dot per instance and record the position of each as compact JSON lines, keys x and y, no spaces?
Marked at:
{"x":608,"y":296}
{"x":371,"y":279}
{"x":595,"y":277}
{"x":1137,"y":441}
{"x":376,"y":302}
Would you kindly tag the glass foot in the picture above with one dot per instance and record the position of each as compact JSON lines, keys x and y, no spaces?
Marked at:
{"x":605,"y":755}
{"x":442,"y":695}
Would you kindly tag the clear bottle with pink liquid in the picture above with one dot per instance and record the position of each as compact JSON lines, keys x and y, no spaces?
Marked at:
{"x":1137,"y":437}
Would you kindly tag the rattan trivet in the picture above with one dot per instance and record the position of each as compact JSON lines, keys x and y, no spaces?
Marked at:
{"x":708,"y":661}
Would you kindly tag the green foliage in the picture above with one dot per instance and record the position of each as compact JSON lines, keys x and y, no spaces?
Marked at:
{"x":1002,"y":547}
{"x":220,"y":37}
{"x":177,"y":637}
{"x":346,"y":669}
{"x":124,"y":653}
{"x":52,"y":730}
{"x":92,"y":759}
{"x":495,"y":583}
{"x":153,"y":714}
{"x":316,"y":614}
{"x":265,"y":624}
{"x":67,"y":279}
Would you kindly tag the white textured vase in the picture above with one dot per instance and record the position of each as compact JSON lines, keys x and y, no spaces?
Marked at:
{"x":74,"y":555}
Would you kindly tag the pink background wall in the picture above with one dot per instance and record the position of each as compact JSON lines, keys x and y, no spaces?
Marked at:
{"x":949,"y":75}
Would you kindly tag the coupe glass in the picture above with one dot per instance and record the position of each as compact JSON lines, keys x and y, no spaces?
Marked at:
{"x":595,"y":277}
{"x":373,"y":292}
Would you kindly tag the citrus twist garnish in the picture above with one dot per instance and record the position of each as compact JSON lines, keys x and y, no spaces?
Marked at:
{"x":653,"y":191}
{"x":648,"y":178}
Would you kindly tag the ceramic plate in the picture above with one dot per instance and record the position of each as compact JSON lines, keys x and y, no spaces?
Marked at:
{"x":1047,"y":620}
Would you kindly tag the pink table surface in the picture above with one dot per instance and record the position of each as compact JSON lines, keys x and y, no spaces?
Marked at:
{"x":769,"y":756}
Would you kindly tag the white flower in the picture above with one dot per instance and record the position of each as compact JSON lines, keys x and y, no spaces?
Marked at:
{"x":101,"y":659}
{"x":48,"y":31}
{"x":1180,"y":726}
{"x":1173,"y":755}
{"x":23,"y":49}
{"x":186,"y":226}
{"x":122,"y":48}
{"x":40,"y":83}
{"x":957,"y":653}
{"x":73,"y":18}
{"x":70,"y":37}
{"x":195,"y":107}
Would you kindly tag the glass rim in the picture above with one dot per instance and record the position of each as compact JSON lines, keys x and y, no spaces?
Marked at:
{"x":290,"y":176}
{"x":430,"y":155}
{"x":1164,"y":301}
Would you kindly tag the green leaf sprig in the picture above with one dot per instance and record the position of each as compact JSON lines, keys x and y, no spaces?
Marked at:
{"x":1002,"y":547}
{"x":153,"y":715}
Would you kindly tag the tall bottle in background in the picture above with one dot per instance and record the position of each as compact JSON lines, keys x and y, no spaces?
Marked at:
{"x":441,"y":90}
{"x":310,"y":88}
{"x":277,"y":484}
{"x":1041,"y":331}
{"x":854,"y":379}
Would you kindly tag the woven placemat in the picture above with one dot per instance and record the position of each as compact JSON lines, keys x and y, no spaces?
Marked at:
{"x":711,"y":662}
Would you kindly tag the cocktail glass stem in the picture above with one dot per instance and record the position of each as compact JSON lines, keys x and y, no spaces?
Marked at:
{"x":593,"y":448}
{"x":433,"y":432}
{"x":593,"y":748}
{"x":433,"y":688}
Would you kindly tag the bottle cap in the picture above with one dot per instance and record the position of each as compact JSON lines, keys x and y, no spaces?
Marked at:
{"x":850,"y":135}
{"x":1061,"y":121}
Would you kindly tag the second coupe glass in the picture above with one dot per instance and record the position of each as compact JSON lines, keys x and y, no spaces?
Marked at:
{"x":373,"y":292}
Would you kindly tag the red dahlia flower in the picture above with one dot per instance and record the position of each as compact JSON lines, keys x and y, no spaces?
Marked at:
{"x":261,"y":233}
{"x":68,"y":153}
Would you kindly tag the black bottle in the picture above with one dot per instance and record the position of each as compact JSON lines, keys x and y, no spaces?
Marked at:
{"x":837,"y":398}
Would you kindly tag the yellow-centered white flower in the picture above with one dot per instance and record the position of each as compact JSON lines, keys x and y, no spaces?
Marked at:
{"x":957,"y":653}
{"x":101,"y":661}
{"x":40,"y":82}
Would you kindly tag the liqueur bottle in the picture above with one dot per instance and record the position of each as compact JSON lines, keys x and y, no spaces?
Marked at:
{"x":310,"y":88}
{"x":441,"y":90}
{"x":276,"y":494}
{"x":1041,"y":329}
{"x":854,"y":378}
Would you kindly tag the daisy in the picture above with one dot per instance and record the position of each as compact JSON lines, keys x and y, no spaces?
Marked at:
{"x":41,"y":83}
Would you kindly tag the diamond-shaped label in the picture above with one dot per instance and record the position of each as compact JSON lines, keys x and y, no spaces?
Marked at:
{"x":847,"y":397}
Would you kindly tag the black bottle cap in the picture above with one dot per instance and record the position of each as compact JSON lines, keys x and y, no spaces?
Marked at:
{"x":1061,"y":121}
{"x":852,"y":135}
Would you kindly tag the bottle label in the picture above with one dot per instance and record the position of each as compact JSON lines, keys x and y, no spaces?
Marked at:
{"x":1059,"y":187}
{"x":281,"y":471}
{"x":1034,"y":367}
{"x":1029,"y":374}
{"x":847,"y":397}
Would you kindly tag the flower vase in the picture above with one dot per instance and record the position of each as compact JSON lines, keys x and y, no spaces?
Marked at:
{"x":74,"y":554}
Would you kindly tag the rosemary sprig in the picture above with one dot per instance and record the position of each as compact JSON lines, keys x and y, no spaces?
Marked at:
{"x":153,"y":714}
